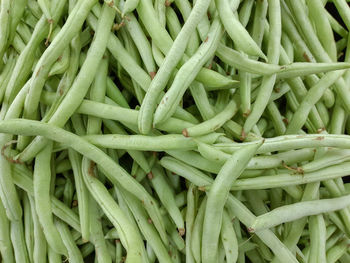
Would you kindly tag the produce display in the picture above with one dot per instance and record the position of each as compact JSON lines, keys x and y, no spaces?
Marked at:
{"x":172,"y":131}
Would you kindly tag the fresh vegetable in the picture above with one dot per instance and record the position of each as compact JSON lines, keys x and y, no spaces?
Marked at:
{"x":174,"y":131}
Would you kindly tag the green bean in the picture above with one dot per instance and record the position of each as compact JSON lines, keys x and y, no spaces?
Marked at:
{"x":324,"y":32}
{"x":290,"y":142}
{"x":114,"y":93}
{"x":62,"y":63}
{"x":67,"y":78}
{"x":333,"y":239}
{"x":42,"y":199}
{"x":343,"y":10}
{"x":22,"y":178}
{"x":190,"y":218}
{"x":197,"y":232}
{"x":314,"y":94}
{"x":172,"y":22}
{"x":288,"y":46}
{"x":17,"y":10}
{"x":5,"y":243}
{"x":332,"y":157}
{"x":285,"y":179}
{"x":276,"y":118}
{"x":196,"y":160}
{"x":239,"y":36}
{"x":128,"y":235}
{"x":172,"y":58}
{"x":26,"y":58}
{"x":129,"y":6}
{"x":40,"y":245}
{"x":334,"y":253}
{"x":8,"y":192}
{"x":73,"y":251}
{"x":146,"y":228}
{"x":314,"y":43}
{"x":187,"y":73}
{"x":339,"y":29}
{"x":45,"y":8}
{"x":163,"y":41}
{"x":160,"y":11}
{"x":199,"y":179}
{"x":66,"y":34}
{"x":212,"y":124}
{"x":28,"y":227}
{"x":296,"y":69}
{"x":5,"y":22}
{"x":149,"y":143}
{"x":6,"y":74}
{"x":53,"y":257}
{"x":267,"y":236}
{"x":229,"y":239}
{"x":96,"y":155}
{"x":166,"y":196}
{"x":96,"y":233}
{"x":245,"y":12}
{"x":295,"y":211}
{"x":136,"y":155}
{"x":76,"y":93}
{"x":82,"y":193}
{"x":141,"y":42}
{"x":217,"y":199}
{"x":273,"y":57}
{"x":24,"y":32}
{"x":18,"y":242}
{"x":317,"y":239}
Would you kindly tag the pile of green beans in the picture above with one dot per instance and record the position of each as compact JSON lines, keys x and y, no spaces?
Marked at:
{"x":172,"y":131}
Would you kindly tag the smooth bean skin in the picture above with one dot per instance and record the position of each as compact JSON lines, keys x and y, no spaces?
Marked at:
{"x":95,"y":154}
{"x":187,"y":73}
{"x":217,"y":197}
{"x":167,"y":197}
{"x":82,"y":82}
{"x":5,"y":21}
{"x":229,"y":239}
{"x":51,"y":54}
{"x":5,"y":244}
{"x":290,"y":142}
{"x":128,"y":234}
{"x":236,"y":31}
{"x":174,"y":55}
{"x":243,"y":213}
{"x":148,"y":143}
{"x":314,"y":94}
{"x":298,"y":210}
{"x":42,"y":199}
{"x":212,"y":124}
{"x":268,"y":82}
{"x":129,"y":6}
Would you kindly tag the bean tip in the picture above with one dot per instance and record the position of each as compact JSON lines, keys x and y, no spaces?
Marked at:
{"x":202,"y":188}
{"x":250,"y":230}
{"x":185,"y":132}
{"x":182,"y":231}
{"x":150,"y":176}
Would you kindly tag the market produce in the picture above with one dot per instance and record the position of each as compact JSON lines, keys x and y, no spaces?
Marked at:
{"x":175,"y":131}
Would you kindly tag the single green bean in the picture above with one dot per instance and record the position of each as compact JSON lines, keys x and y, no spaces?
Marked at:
{"x":41,"y":183}
{"x":295,"y":211}
{"x":149,"y":143}
{"x":212,"y":124}
{"x":217,"y":197}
